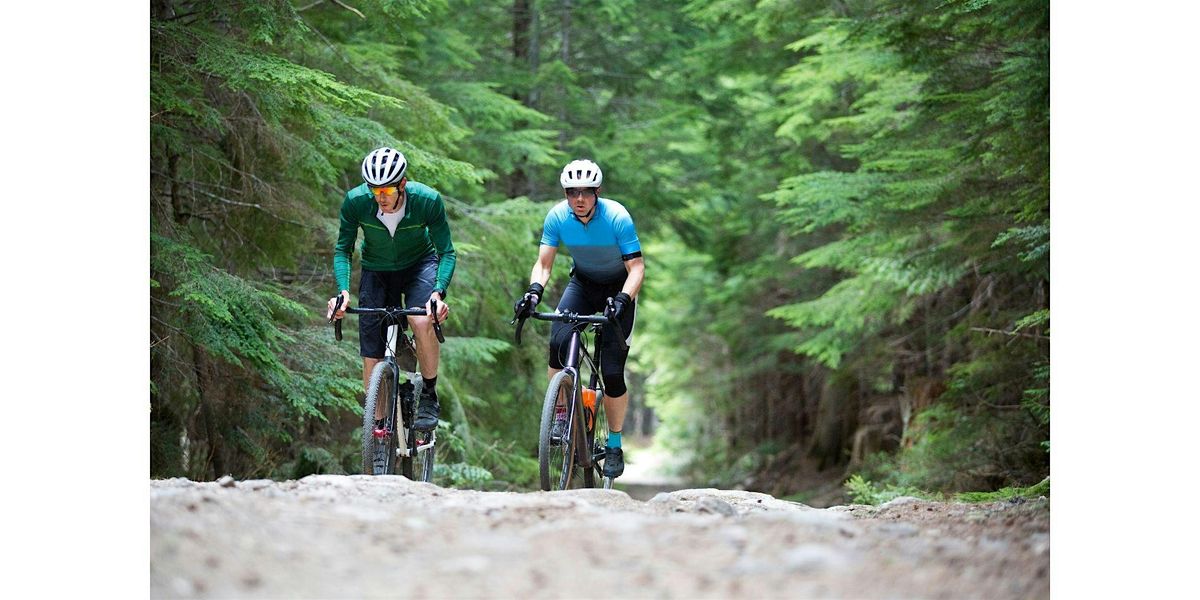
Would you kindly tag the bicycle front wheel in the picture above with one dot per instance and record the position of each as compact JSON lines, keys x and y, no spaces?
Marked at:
{"x":379,"y":446}
{"x":556,"y":458}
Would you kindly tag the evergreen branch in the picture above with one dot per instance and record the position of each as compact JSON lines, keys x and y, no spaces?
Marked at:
{"x":168,"y":326}
{"x":161,"y":301}
{"x":254,"y":107}
{"x":329,"y":44}
{"x":1010,"y":333}
{"x":222,"y":162}
{"x":228,"y":201}
{"x":196,"y":182}
{"x":467,"y":210}
{"x":250,"y":205}
{"x":1003,"y":406}
{"x":183,"y":16}
{"x":337,"y":2}
{"x":349,"y":8}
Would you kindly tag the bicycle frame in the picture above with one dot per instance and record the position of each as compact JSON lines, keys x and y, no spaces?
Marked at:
{"x":576,"y":350}
{"x":394,"y":336}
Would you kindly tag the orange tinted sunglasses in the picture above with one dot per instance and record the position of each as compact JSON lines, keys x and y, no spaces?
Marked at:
{"x":385,"y":190}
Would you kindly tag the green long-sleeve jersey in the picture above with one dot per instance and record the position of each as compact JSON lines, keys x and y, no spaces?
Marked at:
{"x":422,"y":231}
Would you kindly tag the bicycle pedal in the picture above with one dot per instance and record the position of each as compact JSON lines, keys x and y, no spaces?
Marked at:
{"x":381,"y":434}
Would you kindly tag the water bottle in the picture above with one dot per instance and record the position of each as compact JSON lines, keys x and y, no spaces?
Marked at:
{"x":589,"y":406}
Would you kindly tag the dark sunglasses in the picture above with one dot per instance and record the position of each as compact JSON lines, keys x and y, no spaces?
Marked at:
{"x":576,"y":192}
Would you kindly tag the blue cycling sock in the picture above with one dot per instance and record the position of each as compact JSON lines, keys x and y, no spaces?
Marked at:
{"x":614,"y":439}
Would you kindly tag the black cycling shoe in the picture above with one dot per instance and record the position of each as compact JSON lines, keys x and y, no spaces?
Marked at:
{"x":614,"y":462}
{"x":427,"y":411}
{"x":407,"y":401}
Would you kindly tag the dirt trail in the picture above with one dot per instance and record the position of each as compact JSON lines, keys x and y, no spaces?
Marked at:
{"x":648,"y":471}
{"x":356,"y":536}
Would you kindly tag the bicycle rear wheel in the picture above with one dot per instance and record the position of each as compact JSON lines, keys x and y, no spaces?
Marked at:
{"x":418,"y":465}
{"x":556,"y":459}
{"x":379,"y":447}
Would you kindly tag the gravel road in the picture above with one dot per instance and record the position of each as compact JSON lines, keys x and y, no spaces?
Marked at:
{"x":333,"y":536}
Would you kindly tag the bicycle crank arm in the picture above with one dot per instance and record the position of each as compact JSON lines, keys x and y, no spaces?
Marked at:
{"x":405,"y":452}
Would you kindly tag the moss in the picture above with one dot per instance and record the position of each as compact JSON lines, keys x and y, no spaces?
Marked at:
{"x":1041,"y":488}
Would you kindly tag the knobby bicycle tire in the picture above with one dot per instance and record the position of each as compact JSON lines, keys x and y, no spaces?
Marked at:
{"x":382,"y":387}
{"x":558,"y":455}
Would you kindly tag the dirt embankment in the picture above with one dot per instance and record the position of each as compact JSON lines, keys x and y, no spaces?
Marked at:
{"x":359,"y":537}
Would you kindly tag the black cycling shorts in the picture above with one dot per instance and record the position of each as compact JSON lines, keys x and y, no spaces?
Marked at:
{"x":588,"y":299}
{"x":409,"y":288}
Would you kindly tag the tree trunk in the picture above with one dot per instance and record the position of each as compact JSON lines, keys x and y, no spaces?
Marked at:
{"x":525,"y":52}
{"x":180,"y":216}
{"x":565,"y":56}
{"x":521,"y":14}
{"x":214,"y":466}
{"x":836,"y":414}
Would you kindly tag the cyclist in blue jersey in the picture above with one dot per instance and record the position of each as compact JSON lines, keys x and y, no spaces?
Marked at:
{"x":608,"y":264}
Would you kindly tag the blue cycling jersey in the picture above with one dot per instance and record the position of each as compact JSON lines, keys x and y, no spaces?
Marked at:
{"x":599,"y":248}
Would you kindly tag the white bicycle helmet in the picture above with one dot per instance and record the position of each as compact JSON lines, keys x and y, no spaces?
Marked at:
{"x":384,"y":166}
{"x":581,"y":173}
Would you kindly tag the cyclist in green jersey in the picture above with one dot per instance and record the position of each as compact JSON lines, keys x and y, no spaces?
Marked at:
{"x":407,"y":260}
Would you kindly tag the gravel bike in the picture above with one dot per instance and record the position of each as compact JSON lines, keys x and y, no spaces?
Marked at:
{"x":581,"y":447}
{"x":395,"y":439}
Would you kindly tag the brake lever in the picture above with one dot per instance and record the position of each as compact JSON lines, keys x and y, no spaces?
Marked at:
{"x":336,"y":306}
{"x":611,"y":313}
{"x":337,"y":323}
{"x":437,"y":327}
{"x":518,"y":319}
{"x":520,"y":324}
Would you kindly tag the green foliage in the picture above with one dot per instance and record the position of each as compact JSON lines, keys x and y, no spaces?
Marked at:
{"x":949,"y":449}
{"x":862,"y":491}
{"x":1036,"y":490}
{"x":461,"y":475}
{"x":311,"y":461}
{"x":237,"y":320}
{"x":1036,"y":400}
{"x":921,"y":182}
{"x":468,"y":352}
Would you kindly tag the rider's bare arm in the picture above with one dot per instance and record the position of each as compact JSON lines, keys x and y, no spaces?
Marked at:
{"x":636,"y":269}
{"x":545,"y":262}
